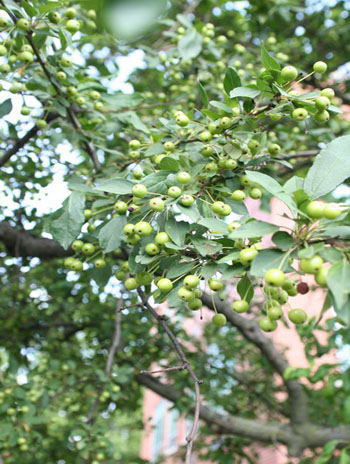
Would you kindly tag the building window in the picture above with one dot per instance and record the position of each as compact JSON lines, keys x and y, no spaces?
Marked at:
{"x":173,"y":429}
{"x":158,"y":432}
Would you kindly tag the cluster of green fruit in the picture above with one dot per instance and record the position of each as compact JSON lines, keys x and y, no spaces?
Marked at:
{"x":84,"y":249}
{"x":320,"y":104}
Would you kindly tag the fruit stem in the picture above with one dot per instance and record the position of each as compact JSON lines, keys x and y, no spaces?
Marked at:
{"x":102,"y":210}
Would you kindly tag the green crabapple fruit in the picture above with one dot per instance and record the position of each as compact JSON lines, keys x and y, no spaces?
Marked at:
{"x":329,"y":93}
{"x":289,"y":73}
{"x":216,"y":285}
{"x":143,"y":228}
{"x":322,"y":103}
{"x":165,"y":285}
{"x":233,"y":226}
{"x":77,"y":245}
{"x":162,"y":238}
{"x":65,"y":62}
{"x":240,"y":306}
{"x":219,"y":320}
{"x":321,"y":276}
{"x":156,"y":204}
{"x":321,"y":116}
{"x":274,"y":149}
{"x":320,"y":67}
{"x":247,"y":255}
{"x":230,"y":164}
{"x":299,"y":114}
{"x":174,"y":191}
{"x":315,"y":209}
{"x":332,"y":211}
{"x":238,"y":195}
{"x":185,"y":294}
{"x":169,"y":146}
{"x":129,"y":229}
{"x":205,"y":136}
{"x":88,"y":249}
{"x":195,"y":304}
{"x":121,"y":207}
{"x":255,"y":193}
{"x":72,"y":25}
{"x":100,"y":263}
{"x":187,"y":200}
{"x":191,"y":281}
{"x":275,"y":277}
{"x":131,"y":283}
{"x":134,"y":144}
{"x":274,"y":313}
{"x":23,"y":24}
{"x":267,"y":325}
{"x":152,"y":249}
{"x":139,"y":190}
{"x":297,"y":316}
{"x":183,"y":177}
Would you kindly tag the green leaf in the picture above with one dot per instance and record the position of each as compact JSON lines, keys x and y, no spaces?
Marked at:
{"x":345,"y":454}
{"x":267,"y":259}
{"x":331,"y":167}
{"x":203,"y":94}
{"x":338,"y":281}
{"x":254,"y":229}
{"x":245,"y":289}
{"x":156,"y":182}
{"x":236,"y":270}
{"x":190,"y":45}
{"x":169,"y":164}
{"x":221,"y":106}
{"x":176,"y":230}
{"x":5,"y":107}
{"x":206,"y":247}
{"x":132,"y":118}
{"x":231,"y":80}
{"x":29,"y":9}
{"x":180,"y":269}
{"x":294,"y":373}
{"x":117,"y":185}
{"x":245,"y":92}
{"x":273,"y":187}
{"x":327,"y":452}
{"x":214,"y":224}
{"x":282,"y":240}
{"x":346,"y":410}
{"x":337,"y":232}
{"x":102,"y":276}
{"x":155,"y":149}
{"x":67,"y":226}
{"x":110,"y":236}
{"x":191,"y":211}
{"x":268,"y":61}
{"x":50,"y":6}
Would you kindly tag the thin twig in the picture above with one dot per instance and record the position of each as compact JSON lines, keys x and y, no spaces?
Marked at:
{"x":116,"y":339}
{"x":115,"y":344}
{"x":300,"y":154}
{"x":162,"y":322}
{"x":167,"y":369}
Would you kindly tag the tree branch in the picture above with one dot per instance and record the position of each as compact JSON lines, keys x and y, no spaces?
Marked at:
{"x":305,"y":436}
{"x":251,"y":331}
{"x":24,"y":243}
{"x":20,"y":143}
{"x":161,"y":320}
